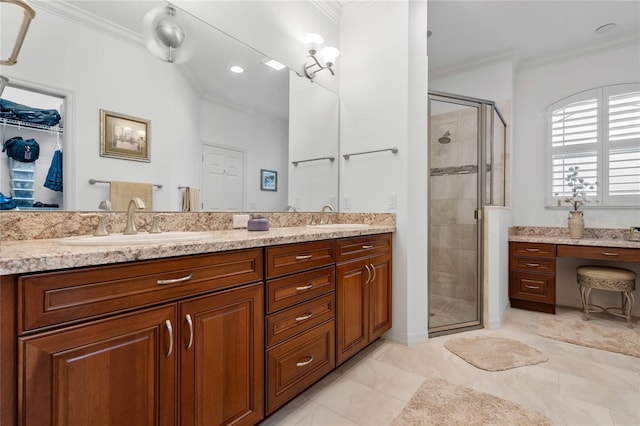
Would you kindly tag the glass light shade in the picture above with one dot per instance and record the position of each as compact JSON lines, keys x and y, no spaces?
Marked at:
{"x":313,"y":42}
{"x":329,"y":54}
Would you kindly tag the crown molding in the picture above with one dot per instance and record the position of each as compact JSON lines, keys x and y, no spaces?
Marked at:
{"x":507,"y":55}
{"x":331,"y":8}
{"x":586,"y":50}
{"x":73,"y":13}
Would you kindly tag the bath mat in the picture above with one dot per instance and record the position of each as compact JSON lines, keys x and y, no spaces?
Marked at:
{"x":585,"y":333}
{"x":438,"y":402}
{"x":494,"y":353}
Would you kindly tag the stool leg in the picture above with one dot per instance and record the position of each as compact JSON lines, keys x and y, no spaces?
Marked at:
{"x":627,"y":306}
{"x":584,"y":293}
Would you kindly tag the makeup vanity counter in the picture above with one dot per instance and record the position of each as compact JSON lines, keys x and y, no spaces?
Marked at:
{"x":217,"y":331}
{"x":532,"y":260}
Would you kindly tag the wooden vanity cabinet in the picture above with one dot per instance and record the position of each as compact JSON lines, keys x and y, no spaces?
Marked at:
{"x":184,"y":360}
{"x":532,"y":276}
{"x":363,"y":292}
{"x":300,"y":325}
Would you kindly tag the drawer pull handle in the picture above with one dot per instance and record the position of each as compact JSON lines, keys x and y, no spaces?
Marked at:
{"x":368,"y":274}
{"x":167,"y":324}
{"x":608,"y":253}
{"x":304,"y":287}
{"x":304,"y":257}
{"x":532,"y":287}
{"x":368,"y":246}
{"x":175,"y":280}
{"x":303,"y":363}
{"x":532,"y":265}
{"x":304,"y":317}
{"x":532,"y":250}
{"x":190,"y":324}
{"x":373,"y":269}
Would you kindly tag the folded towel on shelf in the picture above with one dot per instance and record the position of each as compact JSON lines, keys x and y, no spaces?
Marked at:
{"x":54,"y":176}
{"x":191,"y":200}
{"x":122,"y":192}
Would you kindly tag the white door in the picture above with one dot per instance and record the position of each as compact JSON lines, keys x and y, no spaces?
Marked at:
{"x":222,"y":179}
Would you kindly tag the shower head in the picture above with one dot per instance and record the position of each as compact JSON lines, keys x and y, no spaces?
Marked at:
{"x":445,"y":139}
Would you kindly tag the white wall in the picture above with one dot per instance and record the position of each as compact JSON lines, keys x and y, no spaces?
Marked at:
{"x":313,"y":133}
{"x":65,"y":58}
{"x":496,"y":260}
{"x":535,"y":89}
{"x":493,"y":82}
{"x":383,"y":104}
{"x":263,"y":138}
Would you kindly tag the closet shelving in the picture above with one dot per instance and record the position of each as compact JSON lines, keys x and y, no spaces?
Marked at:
{"x":22,"y":176}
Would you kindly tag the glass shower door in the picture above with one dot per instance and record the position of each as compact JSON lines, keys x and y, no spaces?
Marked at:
{"x":454,"y":193}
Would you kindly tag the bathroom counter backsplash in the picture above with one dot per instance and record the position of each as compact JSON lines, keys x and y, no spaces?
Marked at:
{"x":46,"y":225}
{"x":24,"y":255}
{"x":603,"y":237}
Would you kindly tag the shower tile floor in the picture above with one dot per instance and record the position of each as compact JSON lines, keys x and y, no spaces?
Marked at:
{"x":578,"y":386}
{"x":446,"y":310}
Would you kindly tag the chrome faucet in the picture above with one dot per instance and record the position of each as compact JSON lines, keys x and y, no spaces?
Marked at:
{"x":135,"y":204}
{"x":323,"y":212}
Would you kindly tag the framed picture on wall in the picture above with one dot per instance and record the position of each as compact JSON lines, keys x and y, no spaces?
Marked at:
{"x":123,"y":136}
{"x":268,"y":180}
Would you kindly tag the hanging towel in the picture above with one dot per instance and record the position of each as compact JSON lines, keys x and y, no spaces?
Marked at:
{"x":191,"y":200}
{"x":122,"y":192}
{"x":54,"y":176}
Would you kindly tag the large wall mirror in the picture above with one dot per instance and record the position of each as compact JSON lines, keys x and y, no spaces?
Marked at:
{"x":210,"y":128}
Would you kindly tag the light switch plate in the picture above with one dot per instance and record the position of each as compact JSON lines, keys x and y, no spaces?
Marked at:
{"x":240,"y":220}
{"x":392,"y":200}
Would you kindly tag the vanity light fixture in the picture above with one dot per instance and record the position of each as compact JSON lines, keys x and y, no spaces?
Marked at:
{"x":15,"y":7}
{"x":322,"y":59}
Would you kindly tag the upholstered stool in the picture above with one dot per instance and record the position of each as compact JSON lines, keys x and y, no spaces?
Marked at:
{"x":611,"y":279}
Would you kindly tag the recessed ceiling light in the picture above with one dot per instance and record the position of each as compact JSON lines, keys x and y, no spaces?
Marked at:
{"x":237,"y":69}
{"x":274,"y":64}
{"x":606,"y":28}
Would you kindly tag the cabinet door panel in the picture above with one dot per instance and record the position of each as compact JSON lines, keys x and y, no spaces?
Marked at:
{"x":222,"y":370}
{"x":110,"y":372}
{"x":380,"y":296}
{"x":353,"y":313}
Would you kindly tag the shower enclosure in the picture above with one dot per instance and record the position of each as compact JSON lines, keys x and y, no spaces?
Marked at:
{"x":467,"y":140}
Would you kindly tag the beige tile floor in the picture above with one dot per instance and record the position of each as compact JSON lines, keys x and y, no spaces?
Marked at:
{"x":578,"y":386}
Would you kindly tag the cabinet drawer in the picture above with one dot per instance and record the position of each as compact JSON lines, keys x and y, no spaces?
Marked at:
{"x":295,"y":320}
{"x":291,"y":258}
{"x":532,"y":249}
{"x":298,"y":363}
{"x":603,"y":253}
{"x":534,"y":264}
{"x":533,"y":287}
{"x":357,"y":247}
{"x":60,"y":297}
{"x":288,"y":291}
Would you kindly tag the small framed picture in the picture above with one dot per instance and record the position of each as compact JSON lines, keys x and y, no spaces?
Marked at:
{"x":123,"y":136}
{"x":268,"y":180}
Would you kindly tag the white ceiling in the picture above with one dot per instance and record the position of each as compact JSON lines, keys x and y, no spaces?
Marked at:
{"x":470,"y":32}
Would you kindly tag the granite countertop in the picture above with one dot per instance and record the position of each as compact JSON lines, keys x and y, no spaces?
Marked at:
{"x":605,"y":237}
{"x":25,"y":256}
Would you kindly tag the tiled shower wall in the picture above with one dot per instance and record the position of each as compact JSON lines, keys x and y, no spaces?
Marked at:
{"x":451,"y":203}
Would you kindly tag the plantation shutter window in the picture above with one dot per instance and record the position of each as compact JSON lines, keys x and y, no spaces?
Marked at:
{"x":597,"y":131}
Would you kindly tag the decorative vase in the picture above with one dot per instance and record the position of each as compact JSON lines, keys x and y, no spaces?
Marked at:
{"x":576,"y":224}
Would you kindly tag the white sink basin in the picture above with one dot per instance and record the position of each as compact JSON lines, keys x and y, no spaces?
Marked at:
{"x":339,"y":226}
{"x":136,"y":239}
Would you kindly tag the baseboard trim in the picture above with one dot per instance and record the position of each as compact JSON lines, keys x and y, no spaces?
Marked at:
{"x":406,"y":339}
